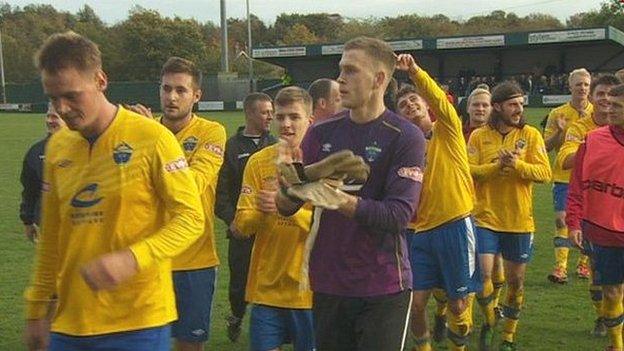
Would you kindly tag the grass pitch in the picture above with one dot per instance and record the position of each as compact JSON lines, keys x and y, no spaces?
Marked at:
{"x":555,"y":317}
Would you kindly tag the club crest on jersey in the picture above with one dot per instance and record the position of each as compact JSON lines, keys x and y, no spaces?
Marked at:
{"x":371,"y":152}
{"x":521,"y":144}
{"x":189,"y":144}
{"x":122,"y":153}
{"x":326,"y":147}
{"x":413,"y":173}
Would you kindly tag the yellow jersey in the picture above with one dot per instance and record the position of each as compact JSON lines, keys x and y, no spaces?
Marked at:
{"x":203,"y":143}
{"x":504,"y":197}
{"x":105,"y":196}
{"x":447,"y":191}
{"x":275,"y":269}
{"x":571,"y":115}
{"x":575,"y":136}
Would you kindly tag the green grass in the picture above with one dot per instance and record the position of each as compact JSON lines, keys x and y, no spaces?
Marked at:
{"x":554,"y":317}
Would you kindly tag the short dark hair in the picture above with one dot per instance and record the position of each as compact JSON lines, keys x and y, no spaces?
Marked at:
{"x":252,"y":98}
{"x":68,"y":50}
{"x":292,"y":94}
{"x":181,"y":65}
{"x":617,"y":91}
{"x":320,"y":89}
{"x":406,"y":89}
{"x":604,"y":79}
{"x":390,"y":95}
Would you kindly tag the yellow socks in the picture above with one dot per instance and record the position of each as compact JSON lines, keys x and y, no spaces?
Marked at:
{"x":613,"y":317}
{"x":459,"y":328}
{"x":515,"y":299}
{"x":486,"y":302}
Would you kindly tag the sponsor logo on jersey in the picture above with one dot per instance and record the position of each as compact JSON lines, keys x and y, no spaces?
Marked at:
{"x":413,"y":173}
{"x":64,"y":163}
{"x":608,"y":188}
{"x":86,"y":197}
{"x":122,"y":153}
{"x":215,"y":149}
{"x":176,"y":165}
{"x":572,"y":137}
{"x":371,"y":152}
{"x":189,"y":144}
{"x":326,"y":147}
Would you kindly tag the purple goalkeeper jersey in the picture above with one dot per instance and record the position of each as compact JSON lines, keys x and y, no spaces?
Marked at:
{"x":367,"y":255}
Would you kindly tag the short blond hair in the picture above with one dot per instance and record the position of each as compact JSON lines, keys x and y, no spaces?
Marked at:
{"x":578,"y":72}
{"x":479,"y":91}
{"x":68,"y":50}
{"x":377,"y":49}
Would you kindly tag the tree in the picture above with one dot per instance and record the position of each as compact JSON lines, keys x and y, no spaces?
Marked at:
{"x":299,"y":34}
{"x":611,"y":13}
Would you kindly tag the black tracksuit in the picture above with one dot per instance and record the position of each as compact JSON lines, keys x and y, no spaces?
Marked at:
{"x":31,"y":178}
{"x":237,"y":151}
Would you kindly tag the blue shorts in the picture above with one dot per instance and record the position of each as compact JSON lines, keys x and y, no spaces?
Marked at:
{"x":152,"y":339}
{"x":608,"y":264}
{"x":194,"y":291}
{"x":445,"y":257}
{"x":271,"y":327}
{"x":514,"y":247}
{"x":560,"y":196}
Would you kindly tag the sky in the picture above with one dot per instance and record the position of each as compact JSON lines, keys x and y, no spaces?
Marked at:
{"x":112,"y":11}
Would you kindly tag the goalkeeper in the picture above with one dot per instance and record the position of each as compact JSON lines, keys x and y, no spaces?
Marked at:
{"x":359,"y":271}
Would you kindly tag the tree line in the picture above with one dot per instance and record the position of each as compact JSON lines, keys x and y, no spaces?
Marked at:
{"x":135,"y":48}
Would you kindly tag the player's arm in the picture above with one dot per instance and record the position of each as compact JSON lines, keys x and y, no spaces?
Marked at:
{"x":433,"y":94}
{"x":42,"y":289}
{"x":225,"y":206}
{"x":554,"y":133}
{"x":393,"y":211}
{"x":574,"y":138}
{"x":176,"y":187}
{"x":208,"y":158}
{"x":249,"y":219}
{"x":479,"y":170}
{"x":536,"y":167}
{"x":574,"y":206}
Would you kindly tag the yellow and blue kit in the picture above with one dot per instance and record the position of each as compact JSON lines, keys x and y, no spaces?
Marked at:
{"x":447,"y":191}
{"x":203,"y":143}
{"x":575,"y":136}
{"x":504,"y":197}
{"x":109,"y":195}
{"x":570,"y":115}
{"x":275,"y":270}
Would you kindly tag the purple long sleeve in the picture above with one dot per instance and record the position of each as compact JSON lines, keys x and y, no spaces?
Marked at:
{"x":367,"y":255}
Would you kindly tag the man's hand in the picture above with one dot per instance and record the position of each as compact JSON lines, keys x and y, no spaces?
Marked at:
{"x":265,"y":201}
{"x":110,"y":270}
{"x":37,"y":334}
{"x":508,"y":158}
{"x":406,"y":62}
{"x":235,"y":232}
{"x":576,"y":237}
{"x":31,"y":232}
{"x":140,"y":109}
